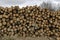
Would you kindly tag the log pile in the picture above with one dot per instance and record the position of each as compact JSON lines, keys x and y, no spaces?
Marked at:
{"x":29,"y":21}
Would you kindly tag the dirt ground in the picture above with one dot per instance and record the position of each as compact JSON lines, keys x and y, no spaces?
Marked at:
{"x":26,"y":38}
